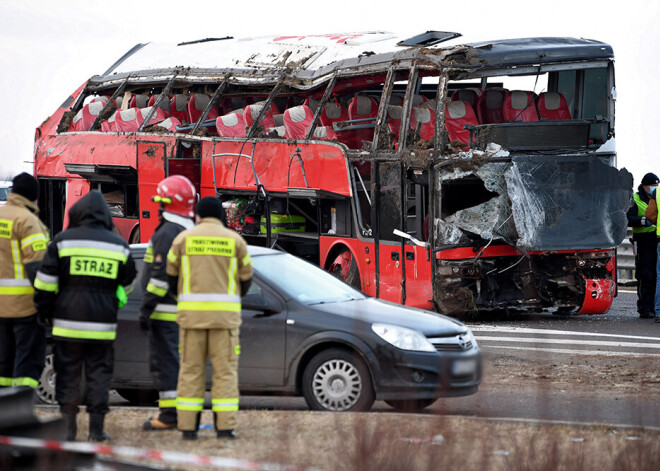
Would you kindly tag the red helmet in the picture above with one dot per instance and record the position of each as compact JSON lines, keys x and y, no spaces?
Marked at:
{"x":178,"y":195}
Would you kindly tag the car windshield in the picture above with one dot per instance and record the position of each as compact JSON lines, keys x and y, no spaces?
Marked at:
{"x":3,"y":194}
{"x":303,"y":281}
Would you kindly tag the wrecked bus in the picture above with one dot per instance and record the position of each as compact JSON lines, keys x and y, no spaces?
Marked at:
{"x":429,"y":171}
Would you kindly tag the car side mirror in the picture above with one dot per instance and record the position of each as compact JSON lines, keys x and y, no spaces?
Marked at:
{"x":257,"y":302}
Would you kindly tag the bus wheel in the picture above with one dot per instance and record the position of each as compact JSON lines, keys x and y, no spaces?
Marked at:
{"x":345,"y":268}
{"x":135,"y":235}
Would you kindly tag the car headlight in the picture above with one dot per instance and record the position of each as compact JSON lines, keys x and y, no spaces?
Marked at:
{"x":469,"y":337}
{"x":403,"y":338}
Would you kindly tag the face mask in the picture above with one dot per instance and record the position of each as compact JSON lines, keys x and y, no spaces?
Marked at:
{"x":652,"y":189}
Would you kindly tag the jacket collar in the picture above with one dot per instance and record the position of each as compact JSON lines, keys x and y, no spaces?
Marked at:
{"x":187,"y":223}
{"x":19,"y":200}
{"x":212,"y":221}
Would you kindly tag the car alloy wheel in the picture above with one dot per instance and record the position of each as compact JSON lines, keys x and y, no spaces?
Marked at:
{"x":337,"y":380}
{"x":46,"y":389}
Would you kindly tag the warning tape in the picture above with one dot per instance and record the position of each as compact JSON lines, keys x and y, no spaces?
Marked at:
{"x":145,"y":454}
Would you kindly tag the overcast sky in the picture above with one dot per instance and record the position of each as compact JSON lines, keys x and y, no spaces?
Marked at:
{"x":49,"y":48}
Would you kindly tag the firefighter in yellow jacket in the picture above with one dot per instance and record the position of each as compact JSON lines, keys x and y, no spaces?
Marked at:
{"x":211,"y":269}
{"x":23,"y":239}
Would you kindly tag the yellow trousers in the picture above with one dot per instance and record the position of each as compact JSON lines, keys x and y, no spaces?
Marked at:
{"x":222,"y":347}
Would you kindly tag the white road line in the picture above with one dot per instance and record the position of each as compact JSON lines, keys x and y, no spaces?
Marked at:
{"x":577,"y":352}
{"x":600,"y":343}
{"x":525,"y":330}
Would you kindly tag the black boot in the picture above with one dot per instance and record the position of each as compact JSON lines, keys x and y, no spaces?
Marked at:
{"x":96,"y":433}
{"x":229,"y":434}
{"x":70,"y":426}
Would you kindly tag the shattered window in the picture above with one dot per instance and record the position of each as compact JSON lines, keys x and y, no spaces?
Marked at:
{"x":389,"y":211}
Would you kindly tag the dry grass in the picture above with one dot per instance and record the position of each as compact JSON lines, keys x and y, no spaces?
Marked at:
{"x":383,"y":441}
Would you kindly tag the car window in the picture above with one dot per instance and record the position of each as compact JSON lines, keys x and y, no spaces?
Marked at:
{"x":303,"y":281}
{"x":4,"y":192}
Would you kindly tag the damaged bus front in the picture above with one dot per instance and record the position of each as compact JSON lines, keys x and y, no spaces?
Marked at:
{"x":529,"y":216}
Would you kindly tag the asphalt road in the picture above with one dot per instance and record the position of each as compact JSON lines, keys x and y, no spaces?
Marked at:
{"x":556,"y":339}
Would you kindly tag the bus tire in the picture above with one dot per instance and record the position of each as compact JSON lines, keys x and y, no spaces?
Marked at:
{"x":344,"y":267}
{"x":135,"y":236}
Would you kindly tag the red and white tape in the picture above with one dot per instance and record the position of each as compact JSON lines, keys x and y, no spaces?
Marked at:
{"x":145,"y":454}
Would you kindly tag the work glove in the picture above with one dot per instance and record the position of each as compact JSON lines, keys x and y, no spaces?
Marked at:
{"x":144,"y":322}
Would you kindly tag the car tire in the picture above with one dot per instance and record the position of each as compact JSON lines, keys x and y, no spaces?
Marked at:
{"x":410,"y":405}
{"x":139,"y":396}
{"x":338,"y":380}
{"x":45,"y":392}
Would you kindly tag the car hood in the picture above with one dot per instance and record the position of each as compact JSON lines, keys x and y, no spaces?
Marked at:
{"x":373,"y":311}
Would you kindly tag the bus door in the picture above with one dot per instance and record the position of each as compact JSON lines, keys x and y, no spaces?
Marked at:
{"x":388,"y":247}
{"x":150,"y":165}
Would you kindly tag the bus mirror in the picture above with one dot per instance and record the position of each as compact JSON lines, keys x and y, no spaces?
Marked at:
{"x":399,"y":233}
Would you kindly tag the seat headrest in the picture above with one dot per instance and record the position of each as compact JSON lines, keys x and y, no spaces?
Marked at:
{"x":333,"y":110}
{"x":95,"y":107}
{"x":181,"y":102}
{"x":423,"y":114}
{"x":552,"y":100}
{"x":230,"y":120}
{"x":494,"y":99}
{"x":456,"y":109}
{"x":519,"y":99}
{"x":201,"y":101}
{"x":128,"y":115}
{"x":364,"y":104}
{"x":321,"y":131}
{"x":395,"y":112}
{"x":297,"y":114}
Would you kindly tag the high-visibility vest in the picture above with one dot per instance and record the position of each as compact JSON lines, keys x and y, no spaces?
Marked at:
{"x":641,"y":210}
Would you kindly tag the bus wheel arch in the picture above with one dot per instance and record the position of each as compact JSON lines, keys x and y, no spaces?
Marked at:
{"x":342,"y":263}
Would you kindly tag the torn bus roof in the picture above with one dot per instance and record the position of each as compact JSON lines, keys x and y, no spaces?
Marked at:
{"x":316,"y":56}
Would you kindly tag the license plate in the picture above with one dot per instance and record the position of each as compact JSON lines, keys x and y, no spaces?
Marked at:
{"x":464,"y":366}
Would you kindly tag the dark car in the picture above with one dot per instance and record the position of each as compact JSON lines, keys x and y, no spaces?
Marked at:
{"x":308,"y":333}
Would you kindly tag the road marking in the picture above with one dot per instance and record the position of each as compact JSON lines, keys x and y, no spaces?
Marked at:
{"x":525,"y":330}
{"x":578,"y":352}
{"x":600,"y":343}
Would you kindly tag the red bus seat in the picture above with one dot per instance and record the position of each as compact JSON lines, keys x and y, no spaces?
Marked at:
{"x":324,"y":133}
{"x":361,"y":107}
{"x":84,"y":118}
{"x":457,"y":115}
{"x":230,"y":125}
{"x":170,"y":124}
{"x":297,"y":121}
{"x":130,"y":120}
{"x":313,"y":103}
{"x":553,"y":106}
{"x":109,"y":124}
{"x":179,"y":108}
{"x":251,"y":112}
{"x":139,"y":101}
{"x":519,"y":105}
{"x":489,"y":106}
{"x":471,"y":95}
{"x":333,"y":112}
{"x":394,"y":115}
{"x":423,"y":119}
{"x":164,"y":104}
{"x":197,"y":105}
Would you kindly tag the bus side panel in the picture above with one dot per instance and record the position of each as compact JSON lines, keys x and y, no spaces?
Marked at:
{"x":419,"y":290}
{"x":76,"y":188}
{"x":151,"y":157}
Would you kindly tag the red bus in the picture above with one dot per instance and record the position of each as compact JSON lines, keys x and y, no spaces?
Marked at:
{"x":430,"y":171}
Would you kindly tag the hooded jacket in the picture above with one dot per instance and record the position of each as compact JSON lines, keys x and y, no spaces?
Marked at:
{"x":77,"y":283}
{"x":23,"y":239}
{"x":637,"y":219}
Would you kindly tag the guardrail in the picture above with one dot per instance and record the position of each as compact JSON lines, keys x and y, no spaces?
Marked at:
{"x":625,"y":262}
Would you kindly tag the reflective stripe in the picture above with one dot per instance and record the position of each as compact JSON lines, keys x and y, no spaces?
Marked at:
{"x":33,"y":383}
{"x":247,"y":260}
{"x":12,"y":286}
{"x":225,"y":405}
{"x":641,"y":211}
{"x":171,"y":257}
{"x":68,"y":248}
{"x":209,"y":297}
{"x":162,"y":307}
{"x":149,"y":254}
{"x":16,"y":290}
{"x":166,"y":403}
{"x":16,"y":257}
{"x":158,"y":287}
{"x":84,"y":330}
{"x":5,"y":381}
{"x":163,"y":316}
{"x":210,"y":245}
{"x":15,"y":282}
{"x":46,"y":282}
{"x":200,"y":306}
{"x":171,"y":394}
{"x":190,"y":403}
{"x":167,"y":399}
{"x":231,"y":288}
{"x":186,"y":273}
{"x":38,"y":237}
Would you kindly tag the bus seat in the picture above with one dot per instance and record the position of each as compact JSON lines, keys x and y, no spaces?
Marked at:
{"x":164,"y":105}
{"x":553,"y":106}
{"x":279,"y":119}
{"x":297,"y":120}
{"x":324,"y":132}
{"x":170,"y":124}
{"x":333,"y":112}
{"x":280,"y":131}
{"x":457,"y":115}
{"x":394,"y":115}
{"x":118,"y":102}
{"x":519,"y":105}
{"x":230,"y":125}
{"x":139,"y":101}
{"x":489,"y":106}
{"x":84,"y":118}
{"x":251,"y":112}
{"x":396,"y":99}
{"x":312,"y":103}
{"x":130,"y":120}
{"x":419,"y":99}
{"x":471,"y":95}
{"x":197,"y":105}
{"x":361,"y":107}
{"x":109,"y":124}
{"x":424,"y":120}
{"x":179,"y":108}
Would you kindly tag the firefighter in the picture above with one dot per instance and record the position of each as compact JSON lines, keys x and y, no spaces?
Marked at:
{"x":211,"y":269}
{"x":652,"y":215}
{"x":176,"y":195}
{"x":646,"y":246}
{"x":82,"y":281}
{"x":23,"y":240}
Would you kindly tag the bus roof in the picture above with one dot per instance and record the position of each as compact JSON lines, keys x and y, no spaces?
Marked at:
{"x":264,"y":59}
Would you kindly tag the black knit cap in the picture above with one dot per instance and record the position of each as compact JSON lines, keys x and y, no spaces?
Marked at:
{"x":650,"y":179}
{"x":26,"y":185}
{"x":210,"y":207}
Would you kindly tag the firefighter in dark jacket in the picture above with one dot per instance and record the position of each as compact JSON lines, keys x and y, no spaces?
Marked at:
{"x":646,"y":245}
{"x":23,"y":240}
{"x":82,"y":282}
{"x":177,"y":197}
